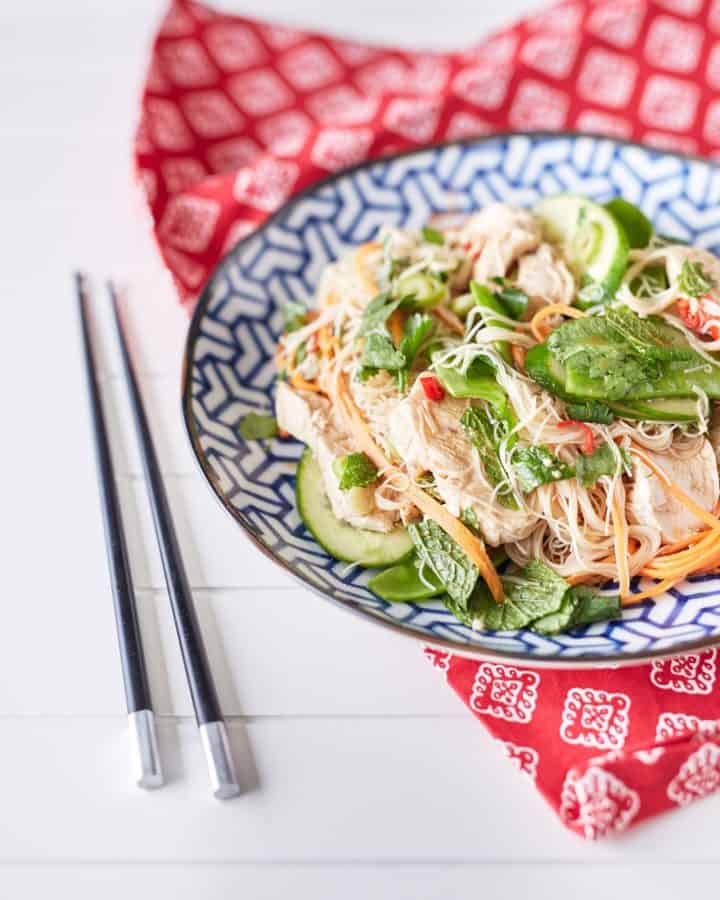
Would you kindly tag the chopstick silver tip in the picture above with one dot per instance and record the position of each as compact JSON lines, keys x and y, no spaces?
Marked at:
{"x":216,"y":745}
{"x":146,"y":758}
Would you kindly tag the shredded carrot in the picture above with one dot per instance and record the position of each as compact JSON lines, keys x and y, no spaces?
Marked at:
{"x":297,"y":381}
{"x":691,"y":539}
{"x":518,"y":354}
{"x":448,"y":318}
{"x":621,"y":545}
{"x":472,"y":545}
{"x":650,"y":593}
{"x":396,"y":323}
{"x":367,"y":276}
{"x":554,"y":309}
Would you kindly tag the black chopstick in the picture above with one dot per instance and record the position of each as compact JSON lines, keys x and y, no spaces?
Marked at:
{"x":209,"y":719}
{"x":135,"y":680}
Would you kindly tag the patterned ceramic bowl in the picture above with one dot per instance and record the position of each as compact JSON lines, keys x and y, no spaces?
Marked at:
{"x":229,"y":366}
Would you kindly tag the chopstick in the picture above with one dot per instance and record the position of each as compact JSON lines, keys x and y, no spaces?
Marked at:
{"x":213,"y":732}
{"x":137,"y":692}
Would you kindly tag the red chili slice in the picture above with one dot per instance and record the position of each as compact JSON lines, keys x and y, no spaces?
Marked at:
{"x":588,"y":444}
{"x":432,"y":388}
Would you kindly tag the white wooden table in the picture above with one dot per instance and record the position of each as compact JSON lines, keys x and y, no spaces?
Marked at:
{"x":369,"y":778}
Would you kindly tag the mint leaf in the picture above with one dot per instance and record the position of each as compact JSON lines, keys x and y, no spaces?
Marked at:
{"x":294,"y":315}
{"x":376,"y":315}
{"x":485,"y":434}
{"x":590,"y":411}
{"x":607,"y":459}
{"x":256,"y":427}
{"x":693,"y":280}
{"x":593,"y":607}
{"x":354,"y":470}
{"x":417,"y":328}
{"x":432,"y":235}
{"x":379,"y":353}
{"x":446,"y":559}
{"x":533,"y":592}
{"x":538,"y":465}
{"x":581,"y":605}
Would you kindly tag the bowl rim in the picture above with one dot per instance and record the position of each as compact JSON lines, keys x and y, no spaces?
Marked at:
{"x":613,"y":660}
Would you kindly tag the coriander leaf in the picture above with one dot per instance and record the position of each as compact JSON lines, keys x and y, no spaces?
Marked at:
{"x":607,"y":459}
{"x":590,"y":606}
{"x":485,"y":433}
{"x":590,"y":411}
{"x":354,"y":470}
{"x":514,"y":300}
{"x":379,"y":353}
{"x":417,"y":328}
{"x":533,"y":592}
{"x":294,"y":315}
{"x":538,"y":465}
{"x":432,"y":235}
{"x":439,"y":552}
{"x":256,"y":427}
{"x":366,"y":372}
{"x":376,"y":313}
{"x":693,"y":280}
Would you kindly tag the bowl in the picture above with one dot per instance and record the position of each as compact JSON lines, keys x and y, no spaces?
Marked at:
{"x":229,"y":370}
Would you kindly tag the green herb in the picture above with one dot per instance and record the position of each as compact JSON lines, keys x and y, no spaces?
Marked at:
{"x":439,"y":552}
{"x":379,"y":353}
{"x":376,"y":314}
{"x":294,"y":315}
{"x":538,"y":465}
{"x":417,"y":328}
{"x":607,"y":459}
{"x":354,"y":470}
{"x":256,"y":427}
{"x":432,"y":235}
{"x":486,"y":432}
{"x":532,"y":593}
{"x":581,"y":605}
{"x":693,"y":280}
{"x":301,"y":353}
{"x":590,"y":411}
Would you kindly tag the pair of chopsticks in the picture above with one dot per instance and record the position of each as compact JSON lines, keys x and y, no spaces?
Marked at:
{"x":213,"y":733}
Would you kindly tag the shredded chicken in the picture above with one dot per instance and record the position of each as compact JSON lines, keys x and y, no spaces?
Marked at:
{"x":696,"y":474}
{"x":544,"y":277}
{"x":500,"y":234}
{"x":310,"y":418}
{"x":428,"y":437}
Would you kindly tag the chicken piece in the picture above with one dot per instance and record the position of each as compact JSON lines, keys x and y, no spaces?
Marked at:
{"x":544,"y":277}
{"x":675,"y":257}
{"x":310,"y":418}
{"x":696,"y":475}
{"x":500,"y":234}
{"x":428,"y":436}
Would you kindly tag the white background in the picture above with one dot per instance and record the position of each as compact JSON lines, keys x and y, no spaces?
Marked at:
{"x":368,"y":777}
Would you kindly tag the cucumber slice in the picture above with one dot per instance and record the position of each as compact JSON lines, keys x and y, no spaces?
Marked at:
{"x":667,"y":409}
{"x":636,"y":225}
{"x":544,"y":369}
{"x":343,"y":541}
{"x":592,"y":241}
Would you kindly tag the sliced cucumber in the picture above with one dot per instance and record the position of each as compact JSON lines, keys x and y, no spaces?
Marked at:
{"x":343,"y":541}
{"x":670,"y":409}
{"x":638,"y":228}
{"x":592,"y":241}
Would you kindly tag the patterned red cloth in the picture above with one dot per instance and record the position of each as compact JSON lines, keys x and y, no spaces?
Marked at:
{"x":237,"y":115}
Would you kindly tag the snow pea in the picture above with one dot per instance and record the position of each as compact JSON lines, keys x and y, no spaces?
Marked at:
{"x":402,"y":583}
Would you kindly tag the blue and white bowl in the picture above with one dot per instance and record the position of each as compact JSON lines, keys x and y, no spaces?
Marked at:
{"x":229,"y":368}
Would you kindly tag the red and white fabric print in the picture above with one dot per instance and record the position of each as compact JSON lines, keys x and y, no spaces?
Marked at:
{"x":237,"y":115}
{"x":595,"y":718}
{"x":691,"y":674}
{"x":597,"y":803}
{"x":505,"y":692}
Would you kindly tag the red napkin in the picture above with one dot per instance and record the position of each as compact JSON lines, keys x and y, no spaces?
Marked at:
{"x":237,"y":115}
